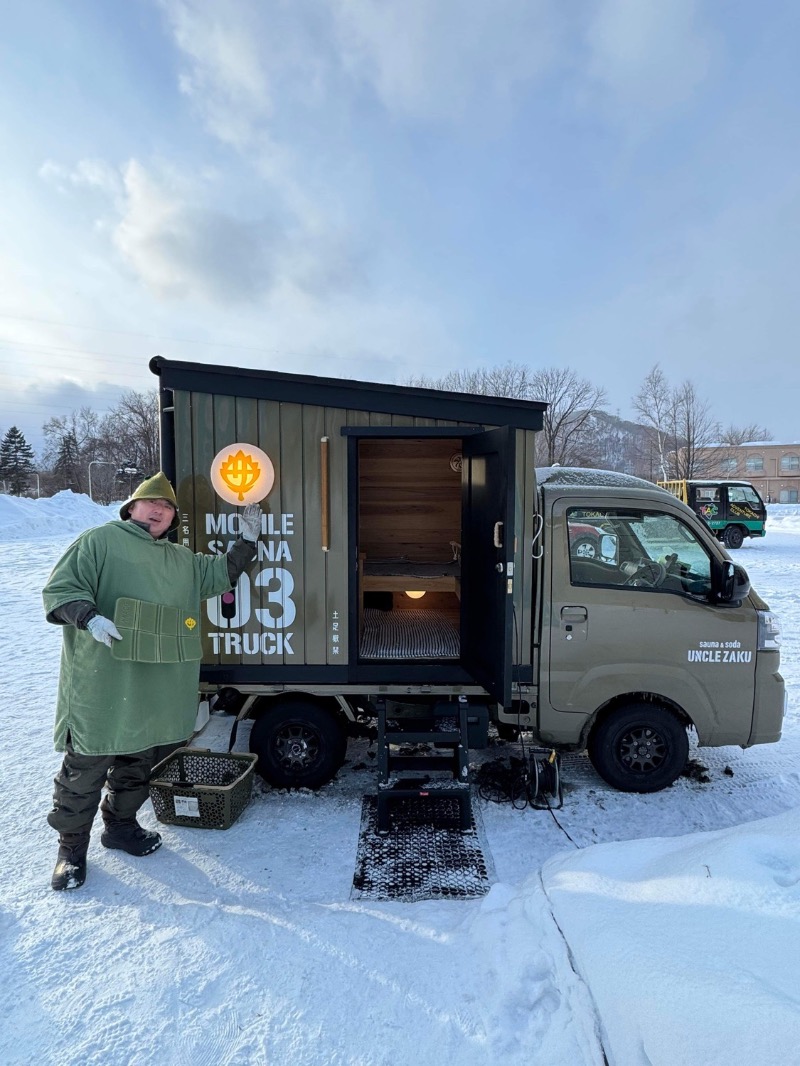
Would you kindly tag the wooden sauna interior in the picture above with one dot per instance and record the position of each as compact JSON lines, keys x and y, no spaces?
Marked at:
{"x":409,"y":526}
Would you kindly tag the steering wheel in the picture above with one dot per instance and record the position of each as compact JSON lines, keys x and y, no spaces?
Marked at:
{"x":648,"y":574}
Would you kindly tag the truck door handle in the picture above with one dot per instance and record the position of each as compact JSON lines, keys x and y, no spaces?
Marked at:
{"x":574,"y":614}
{"x":497,"y":536}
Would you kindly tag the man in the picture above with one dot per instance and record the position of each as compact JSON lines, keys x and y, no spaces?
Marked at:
{"x":125,"y":698}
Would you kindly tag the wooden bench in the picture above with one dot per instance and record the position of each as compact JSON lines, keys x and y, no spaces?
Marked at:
{"x":402,"y":575}
{"x":405,"y":575}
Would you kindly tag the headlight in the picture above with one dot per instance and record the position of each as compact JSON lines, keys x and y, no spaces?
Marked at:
{"x":769,"y":631}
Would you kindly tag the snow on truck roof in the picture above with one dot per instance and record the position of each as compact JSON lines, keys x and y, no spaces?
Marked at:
{"x":718,"y":481}
{"x":574,"y":475}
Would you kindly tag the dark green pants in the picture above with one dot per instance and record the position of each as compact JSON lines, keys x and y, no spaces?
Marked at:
{"x":78,"y":787}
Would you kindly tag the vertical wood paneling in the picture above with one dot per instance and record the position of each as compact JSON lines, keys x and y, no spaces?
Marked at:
{"x":246,"y":425}
{"x":247,"y":420}
{"x":292,"y":464}
{"x":269,"y":440}
{"x":337,"y":561}
{"x":225,"y":433}
{"x":314,"y":626}
{"x":290,"y":435}
{"x":358,"y":418}
{"x":410,"y":498}
{"x":378,"y":418}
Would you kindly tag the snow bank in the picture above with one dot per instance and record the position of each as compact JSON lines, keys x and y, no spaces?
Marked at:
{"x":782,"y":517}
{"x":22,"y":518}
{"x":685,"y":942}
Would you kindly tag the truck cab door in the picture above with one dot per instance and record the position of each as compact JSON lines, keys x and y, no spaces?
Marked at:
{"x":639,"y":620}
{"x":487,"y":559}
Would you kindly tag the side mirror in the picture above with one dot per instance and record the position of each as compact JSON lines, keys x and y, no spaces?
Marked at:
{"x":734,"y":583}
{"x":608,"y":548}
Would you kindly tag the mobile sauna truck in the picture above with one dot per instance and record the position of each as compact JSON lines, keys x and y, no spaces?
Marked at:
{"x":412,"y":558}
{"x":732,"y":510}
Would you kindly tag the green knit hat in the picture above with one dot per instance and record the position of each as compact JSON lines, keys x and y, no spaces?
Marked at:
{"x":156,"y":487}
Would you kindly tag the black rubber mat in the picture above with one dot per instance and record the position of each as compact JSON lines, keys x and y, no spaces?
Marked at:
{"x":423,"y":856}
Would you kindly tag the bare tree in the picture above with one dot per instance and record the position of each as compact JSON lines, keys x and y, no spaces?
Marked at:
{"x":572,"y":401}
{"x":680,"y":425}
{"x":130,"y":431}
{"x":511,"y":379}
{"x":694,"y":430}
{"x":567,"y":427}
{"x":655,"y":405}
{"x":76,"y":435}
{"x":123,"y":444}
{"x":736,"y":435}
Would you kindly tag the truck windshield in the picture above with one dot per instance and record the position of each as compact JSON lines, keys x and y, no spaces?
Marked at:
{"x":651,"y":550}
{"x":745,"y":494}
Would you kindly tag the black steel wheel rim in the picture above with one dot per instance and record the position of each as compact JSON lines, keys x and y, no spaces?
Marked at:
{"x":642,"y":749}
{"x":296,"y":746}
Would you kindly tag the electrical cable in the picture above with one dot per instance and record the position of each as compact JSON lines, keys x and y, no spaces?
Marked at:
{"x":498,"y":782}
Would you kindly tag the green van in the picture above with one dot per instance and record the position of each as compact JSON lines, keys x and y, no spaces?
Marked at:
{"x":733,"y":510}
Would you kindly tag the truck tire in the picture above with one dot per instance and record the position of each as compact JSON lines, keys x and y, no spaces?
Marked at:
{"x":733,"y":537}
{"x":639,"y":747}
{"x":299,"y":744}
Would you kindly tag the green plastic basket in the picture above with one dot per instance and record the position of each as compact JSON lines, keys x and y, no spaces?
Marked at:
{"x":202,"y":788}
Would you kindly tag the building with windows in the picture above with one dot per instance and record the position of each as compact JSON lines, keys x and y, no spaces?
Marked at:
{"x":774,"y":469}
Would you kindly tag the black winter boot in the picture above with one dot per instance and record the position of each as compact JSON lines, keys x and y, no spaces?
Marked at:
{"x":129,"y":836}
{"x":70,"y":869}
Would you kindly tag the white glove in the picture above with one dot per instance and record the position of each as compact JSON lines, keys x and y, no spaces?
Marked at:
{"x":103,"y":630}
{"x":250,"y":522}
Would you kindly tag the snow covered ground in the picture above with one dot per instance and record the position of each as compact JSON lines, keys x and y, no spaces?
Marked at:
{"x":666,"y":931}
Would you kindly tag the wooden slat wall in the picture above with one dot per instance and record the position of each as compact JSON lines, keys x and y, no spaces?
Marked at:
{"x":410,"y":505}
{"x":225,"y":433}
{"x":290,"y":435}
{"x":246,"y":431}
{"x":337,"y":561}
{"x":292,"y":473}
{"x":410,"y":498}
{"x":268,"y":440}
{"x":312,"y":564}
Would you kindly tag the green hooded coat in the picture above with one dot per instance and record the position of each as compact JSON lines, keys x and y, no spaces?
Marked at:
{"x":110,"y":706}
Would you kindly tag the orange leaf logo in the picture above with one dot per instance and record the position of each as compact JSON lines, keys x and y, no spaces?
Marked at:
{"x":240,"y":472}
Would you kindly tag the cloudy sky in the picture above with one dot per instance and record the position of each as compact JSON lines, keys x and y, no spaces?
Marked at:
{"x":380,"y":188}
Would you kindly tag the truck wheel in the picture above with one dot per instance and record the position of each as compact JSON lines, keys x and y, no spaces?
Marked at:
{"x":733,"y":537}
{"x":298,"y":744}
{"x":639,"y":748}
